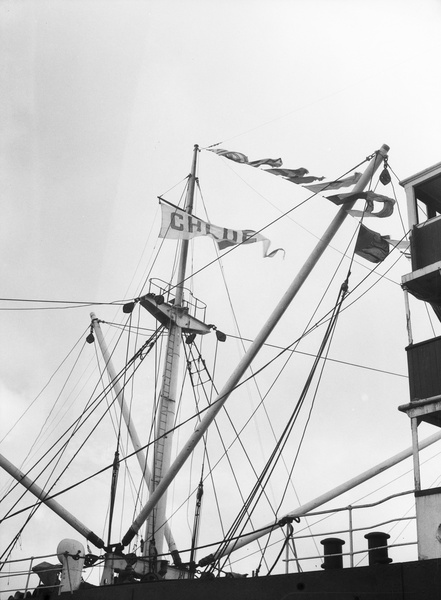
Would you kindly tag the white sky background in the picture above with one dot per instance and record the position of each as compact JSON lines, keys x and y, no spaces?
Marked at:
{"x":102,"y":103}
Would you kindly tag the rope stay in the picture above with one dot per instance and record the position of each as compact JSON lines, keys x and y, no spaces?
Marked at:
{"x":242,"y":519}
{"x":90,"y":408}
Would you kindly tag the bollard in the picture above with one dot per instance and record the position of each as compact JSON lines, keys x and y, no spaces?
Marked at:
{"x":332,"y":551}
{"x":377,"y":546}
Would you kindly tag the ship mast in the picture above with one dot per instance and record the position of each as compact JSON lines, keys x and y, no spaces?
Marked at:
{"x":253,"y":349}
{"x":167,"y":399}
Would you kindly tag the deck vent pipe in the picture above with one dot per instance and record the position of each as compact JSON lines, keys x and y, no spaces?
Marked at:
{"x":332,"y":553}
{"x":377,"y":546}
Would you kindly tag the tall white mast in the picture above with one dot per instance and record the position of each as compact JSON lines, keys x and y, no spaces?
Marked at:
{"x":167,"y":399}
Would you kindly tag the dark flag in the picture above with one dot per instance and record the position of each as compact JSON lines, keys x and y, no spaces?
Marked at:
{"x":371,"y":245}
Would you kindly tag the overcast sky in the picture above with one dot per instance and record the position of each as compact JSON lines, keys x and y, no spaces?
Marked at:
{"x":101,"y":104}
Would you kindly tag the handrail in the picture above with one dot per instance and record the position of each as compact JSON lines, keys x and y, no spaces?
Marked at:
{"x":366,"y":528}
{"x":351,"y":529}
{"x":357,"y":506}
{"x":295,"y":537}
{"x":15,"y":560}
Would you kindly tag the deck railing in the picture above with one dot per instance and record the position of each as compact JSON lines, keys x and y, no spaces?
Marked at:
{"x":26,"y":579}
{"x":15,"y":578}
{"x":349,"y":532}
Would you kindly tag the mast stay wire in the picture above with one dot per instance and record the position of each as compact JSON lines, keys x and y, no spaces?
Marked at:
{"x":34,"y":401}
{"x":44,"y":387}
{"x":372,"y":270}
{"x":148,"y":274}
{"x":254,"y":495}
{"x":286,"y":433}
{"x":213,"y":388}
{"x":59,"y":454}
{"x":259,"y":370}
{"x":147,"y":239}
{"x":12,"y":485}
{"x":76,"y":426}
{"x":325,"y":346}
{"x":326,"y":341}
{"x":227,"y":291}
{"x":225,"y":449}
{"x":236,"y":432}
{"x":311,"y":408}
{"x":262,"y":403}
{"x":241,"y":383}
{"x":382,"y":276}
{"x":244,"y":339}
{"x":36,"y":506}
{"x":396,"y":200}
{"x":116,"y":459}
{"x":102,"y":470}
{"x":82,"y":304}
{"x":324,"y":319}
{"x":310,"y":320}
{"x":282,"y":351}
{"x":210,"y":468}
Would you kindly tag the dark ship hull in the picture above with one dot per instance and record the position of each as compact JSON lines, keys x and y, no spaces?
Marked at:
{"x":411,"y":580}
